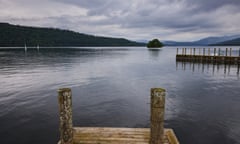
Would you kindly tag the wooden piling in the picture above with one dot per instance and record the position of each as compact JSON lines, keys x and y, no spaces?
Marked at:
{"x":226,"y":51}
{"x":230,"y":53}
{"x":194,"y":49}
{"x":208,"y":51}
{"x":214,"y":52}
{"x":157,"y":115}
{"x":65,"y":110}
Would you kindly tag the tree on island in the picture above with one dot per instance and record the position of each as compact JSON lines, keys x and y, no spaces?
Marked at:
{"x":155,"y":43}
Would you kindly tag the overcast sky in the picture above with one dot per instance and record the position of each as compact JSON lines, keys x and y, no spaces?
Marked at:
{"x":180,"y":20}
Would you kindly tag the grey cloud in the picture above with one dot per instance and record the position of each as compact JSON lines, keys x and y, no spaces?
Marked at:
{"x":149,"y":17}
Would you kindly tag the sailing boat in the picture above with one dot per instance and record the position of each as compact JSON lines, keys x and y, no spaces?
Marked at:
{"x":38,"y":47}
{"x":25,"y":48}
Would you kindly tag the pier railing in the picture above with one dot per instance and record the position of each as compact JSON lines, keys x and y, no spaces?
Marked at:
{"x":76,"y":135}
{"x":227,"y":56}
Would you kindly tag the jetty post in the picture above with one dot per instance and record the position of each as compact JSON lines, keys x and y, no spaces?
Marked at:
{"x":226,"y":51}
{"x":157,"y":115}
{"x":194,"y":49}
{"x":230,"y":53}
{"x":65,"y":111}
{"x":208,"y":51}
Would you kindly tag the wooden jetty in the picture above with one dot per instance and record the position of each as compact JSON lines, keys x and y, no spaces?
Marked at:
{"x":156,"y":134}
{"x":208,"y":55}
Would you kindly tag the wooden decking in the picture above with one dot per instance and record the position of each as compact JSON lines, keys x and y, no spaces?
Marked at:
{"x":103,"y":135}
{"x":156,"y":134}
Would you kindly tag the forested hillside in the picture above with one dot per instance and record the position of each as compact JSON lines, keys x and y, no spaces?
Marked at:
{"x":13,"y":35}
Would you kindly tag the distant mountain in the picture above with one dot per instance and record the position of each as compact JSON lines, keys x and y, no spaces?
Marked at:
{"x":202,"y":42}
{"x":234,"y":42}
{"x":14,"y":35}
{"x":175,"y":43}
{"x":213,"y":40}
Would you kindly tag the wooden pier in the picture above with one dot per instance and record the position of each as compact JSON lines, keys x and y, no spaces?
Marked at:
{"x":156,"y":134}
{"x":209,"y":55}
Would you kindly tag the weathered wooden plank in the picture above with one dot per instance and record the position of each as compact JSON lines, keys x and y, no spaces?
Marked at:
{"x":105,"y":135}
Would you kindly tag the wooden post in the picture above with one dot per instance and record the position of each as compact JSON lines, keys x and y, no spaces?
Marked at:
{"x":208,"y":51}
{"x":157,"y":115}
{"x":191,"y":51}
{"x":65,"y":110}
{"x":194,"y":51}
{"x":230,"y":54}
{"x":182,"y":51}
{"x":185,"y":51}
{"x":226,"y":51}
{"x":214,"y":51}
{"x":219,"y":52}
{"x":239,"y":52}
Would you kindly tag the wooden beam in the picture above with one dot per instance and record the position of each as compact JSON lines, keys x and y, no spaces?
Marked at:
{"x":157,"y":115}
{"x":65,"y":111}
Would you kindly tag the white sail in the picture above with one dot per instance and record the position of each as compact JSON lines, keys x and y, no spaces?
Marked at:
{"x":25,"y":48}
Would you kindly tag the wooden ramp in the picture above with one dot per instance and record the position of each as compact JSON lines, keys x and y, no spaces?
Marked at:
{"x":103,"y":135}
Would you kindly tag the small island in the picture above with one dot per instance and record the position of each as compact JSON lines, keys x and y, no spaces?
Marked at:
{"x":155,"y":43}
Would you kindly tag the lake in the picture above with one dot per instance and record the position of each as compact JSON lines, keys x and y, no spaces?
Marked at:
{"x":111,"y":88}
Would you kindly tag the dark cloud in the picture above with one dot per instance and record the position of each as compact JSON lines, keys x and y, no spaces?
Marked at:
{"x":211,"y":5}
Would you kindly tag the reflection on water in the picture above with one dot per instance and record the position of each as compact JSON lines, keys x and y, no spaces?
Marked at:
{"x":226,"y":69}
{"x":111,"y":87}
{"x":154,"y":51}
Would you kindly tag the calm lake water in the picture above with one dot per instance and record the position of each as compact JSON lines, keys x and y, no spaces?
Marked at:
{"x":111,"y":88}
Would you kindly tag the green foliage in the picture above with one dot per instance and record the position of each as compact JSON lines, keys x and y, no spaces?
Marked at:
{"x":155,"y":43}
{"x":12,"y":35}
